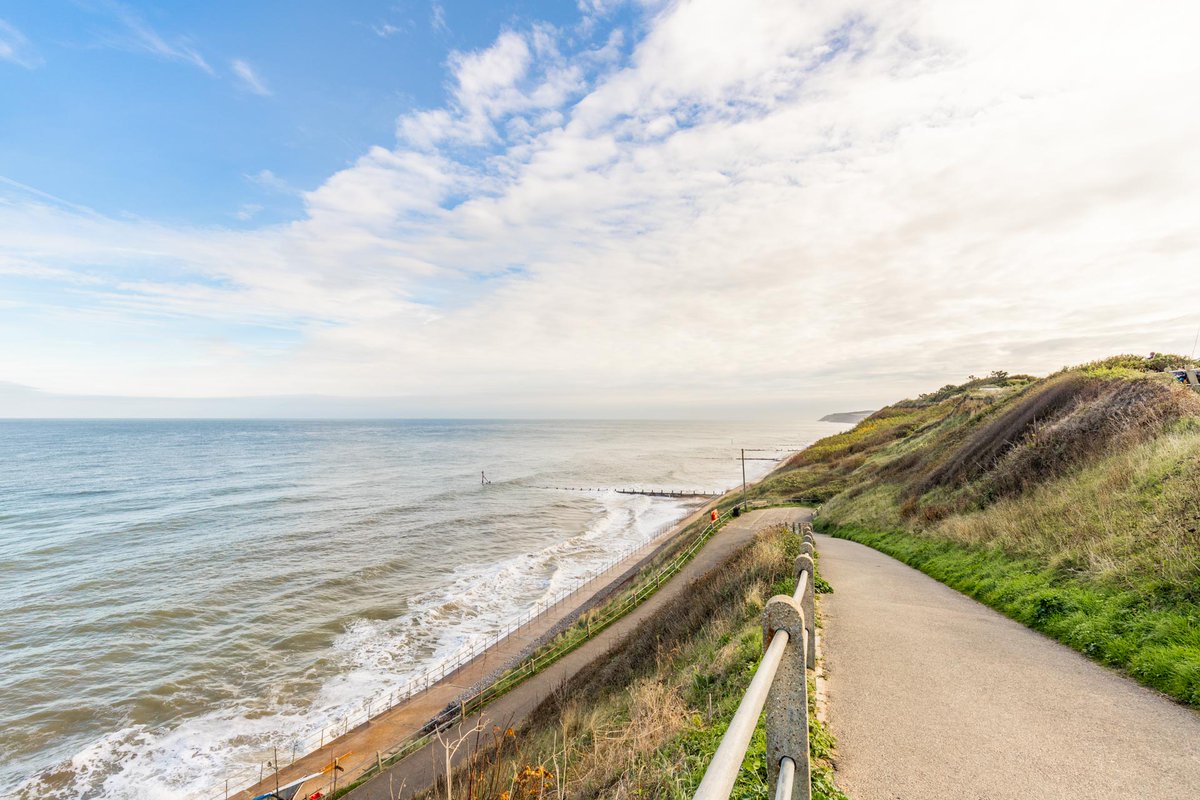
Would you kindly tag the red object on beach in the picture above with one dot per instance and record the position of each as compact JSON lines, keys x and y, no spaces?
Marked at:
{"x":714,"y":515}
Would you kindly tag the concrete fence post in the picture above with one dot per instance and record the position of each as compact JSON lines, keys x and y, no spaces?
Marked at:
{"x":804,"y":564}
{"x":787,"y":701}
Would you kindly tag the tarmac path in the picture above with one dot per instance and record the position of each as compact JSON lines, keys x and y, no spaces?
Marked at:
{"x":933,"y":695}
{"x":420,"y":770}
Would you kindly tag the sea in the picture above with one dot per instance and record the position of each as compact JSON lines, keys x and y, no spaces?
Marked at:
{"x":178,"y":596}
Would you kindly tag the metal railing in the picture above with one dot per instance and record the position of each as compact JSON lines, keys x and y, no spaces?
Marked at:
{"x":245,"y":777}
{"x":780,"y":684}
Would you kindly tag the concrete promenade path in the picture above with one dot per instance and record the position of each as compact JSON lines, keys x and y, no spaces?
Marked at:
{"x":933,"y":695}
{"x":420,"y":770}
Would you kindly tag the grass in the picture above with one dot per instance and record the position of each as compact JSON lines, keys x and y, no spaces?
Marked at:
{"x":644,"y":721}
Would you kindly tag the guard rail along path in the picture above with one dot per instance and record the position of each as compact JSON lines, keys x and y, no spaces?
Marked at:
{"x":781,"y":684}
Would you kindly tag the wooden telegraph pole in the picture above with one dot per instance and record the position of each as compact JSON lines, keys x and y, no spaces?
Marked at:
{"x":744,"y":509}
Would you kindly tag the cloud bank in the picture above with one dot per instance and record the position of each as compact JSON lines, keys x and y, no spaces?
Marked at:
{"x":821,"y":203}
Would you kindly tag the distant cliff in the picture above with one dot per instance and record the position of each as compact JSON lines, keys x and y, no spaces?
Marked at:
{"x":846,"y":416}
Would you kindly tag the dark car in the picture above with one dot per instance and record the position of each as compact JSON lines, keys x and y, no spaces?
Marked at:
{"x":1189,"y":376}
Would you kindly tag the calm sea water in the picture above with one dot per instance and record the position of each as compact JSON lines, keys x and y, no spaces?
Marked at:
{"x":176,"y":594}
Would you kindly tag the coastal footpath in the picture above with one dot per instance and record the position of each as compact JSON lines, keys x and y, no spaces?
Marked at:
{"x":931,"y":694}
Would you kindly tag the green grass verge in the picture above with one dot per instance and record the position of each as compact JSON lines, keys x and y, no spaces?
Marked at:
{"x":1150,"y":634}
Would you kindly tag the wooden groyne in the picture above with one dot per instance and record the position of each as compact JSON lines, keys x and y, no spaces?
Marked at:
{"x":646,"y":492}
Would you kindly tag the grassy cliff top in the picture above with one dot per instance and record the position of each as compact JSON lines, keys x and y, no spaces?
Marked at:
{"x":1071,"y":502}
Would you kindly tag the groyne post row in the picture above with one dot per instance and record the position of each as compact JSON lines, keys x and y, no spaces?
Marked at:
{"x":247,"y":776}
{"x":646,"y":492}
{"x":780,"y":684}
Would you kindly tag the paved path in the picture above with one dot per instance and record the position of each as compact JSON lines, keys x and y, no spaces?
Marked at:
{"x":933,"y":695}
{"x":419,"y":770}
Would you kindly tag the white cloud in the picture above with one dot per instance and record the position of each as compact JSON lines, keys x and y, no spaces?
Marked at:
{"x":16,"y":48}
{"x":437,"y":18}
{"x":140,"y":36}
{"x":268,"y":180}
{"x":809,"y":203}
{"x":489,"y":86}
{"x":386,"y":30}
{"x":248,"y":78}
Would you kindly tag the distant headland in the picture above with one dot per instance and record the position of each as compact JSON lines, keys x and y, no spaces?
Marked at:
{"x":846,"y":416}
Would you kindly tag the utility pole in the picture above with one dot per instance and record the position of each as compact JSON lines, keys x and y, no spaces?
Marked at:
{"x":744,"y":509}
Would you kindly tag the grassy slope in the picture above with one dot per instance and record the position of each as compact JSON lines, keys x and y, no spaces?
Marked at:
{"x":1070,"y":503}
{"x":644,"y":721}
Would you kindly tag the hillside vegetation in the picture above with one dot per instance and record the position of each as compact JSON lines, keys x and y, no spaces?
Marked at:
{"x":644,"y":720}
{"x":1071,"y":503}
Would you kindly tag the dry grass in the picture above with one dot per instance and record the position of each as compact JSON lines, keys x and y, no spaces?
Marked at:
{"x":985,"y":448}
{"x":1131,"y":517}
{"x":1094,"y":475}
{"x":1107,"y":417}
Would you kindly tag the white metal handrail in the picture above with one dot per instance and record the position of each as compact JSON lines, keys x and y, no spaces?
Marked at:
{"x":787,"y":778}
{"x":722,"y":773}
{"x":779,"y":685}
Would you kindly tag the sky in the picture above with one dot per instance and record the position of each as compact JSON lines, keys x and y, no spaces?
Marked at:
{"x":599,"y":208}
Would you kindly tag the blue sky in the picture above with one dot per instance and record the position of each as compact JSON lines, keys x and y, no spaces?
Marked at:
{"x":138,"y":108}
{"x":600,"y":208}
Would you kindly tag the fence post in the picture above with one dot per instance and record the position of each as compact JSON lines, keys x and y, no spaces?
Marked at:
{"x":804,"y":564}
{"x":787,"y":701}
